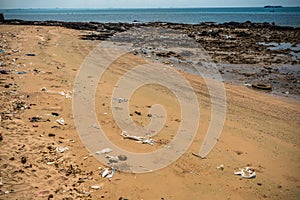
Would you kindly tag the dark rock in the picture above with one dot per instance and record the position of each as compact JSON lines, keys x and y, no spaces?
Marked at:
{"x":35,"y":119}
{"x":137,"y":112}
{"x":23,"y":160}
{"x":262,"y":86}
{"x":1,"y":17}
{"x":4,"y":72}
{"x":54,"y":114}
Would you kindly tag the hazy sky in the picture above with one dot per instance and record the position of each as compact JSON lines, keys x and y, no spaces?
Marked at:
{"x":141,"y":3}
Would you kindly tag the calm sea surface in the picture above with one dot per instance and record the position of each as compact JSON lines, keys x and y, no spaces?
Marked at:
{"x":281,"y":16}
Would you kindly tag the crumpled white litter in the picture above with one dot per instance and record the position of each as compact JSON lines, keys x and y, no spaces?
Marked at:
{"x":246,"y":172}
{"x":61,"y":121}
{"x":68,"y":95}
{"x":139,"y":139}
{"x":107,"y":174}
{"x":62,"y":149}
{"x":104,"y":151}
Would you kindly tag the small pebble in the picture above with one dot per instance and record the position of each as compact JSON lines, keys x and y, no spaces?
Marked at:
{"x":137,"y":112}
{"x":23,"y":160}
{"x":122,"y":157}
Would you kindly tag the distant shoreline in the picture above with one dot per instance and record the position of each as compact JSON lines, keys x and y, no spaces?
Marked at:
{"x":285,"y":16}
{"x":143,"y":8}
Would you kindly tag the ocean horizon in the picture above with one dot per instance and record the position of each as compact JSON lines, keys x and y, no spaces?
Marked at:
{"x":284,"y":16}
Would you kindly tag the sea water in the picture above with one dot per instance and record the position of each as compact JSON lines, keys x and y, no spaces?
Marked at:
{"x":288,"y":16}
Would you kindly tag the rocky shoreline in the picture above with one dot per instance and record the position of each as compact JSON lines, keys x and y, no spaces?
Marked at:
{"x":245,"y":53}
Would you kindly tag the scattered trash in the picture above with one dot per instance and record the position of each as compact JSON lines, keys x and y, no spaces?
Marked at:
{"x":61,"y":121}
{"x":2,"y":50}
{"x":96,"y":187}
{"x":197,"y":155}
{"x":221,"y":167}
{"x":22,"y":72}
{"x":29,"y":54}
{"x":137,"y":138}
{"x":68,"y":95}
{"x":104,"y":151}
{"x":112,"y":159}
{"x":62,"y":149}
{"x":106,"y":173}
{"x":96,"y":126}
{"x":111,"y":174}
{"x":120,"y":100}
{"x":248,"y":84}
{"x":247,"y":172}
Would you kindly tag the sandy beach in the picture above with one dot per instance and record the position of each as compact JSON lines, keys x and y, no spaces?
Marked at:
{"x":261,"y":130}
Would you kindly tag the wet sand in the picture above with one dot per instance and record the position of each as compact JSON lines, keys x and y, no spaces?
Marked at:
{"x":261,"y":131}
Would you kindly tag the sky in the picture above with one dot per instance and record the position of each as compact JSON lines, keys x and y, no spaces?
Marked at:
{"x":7,"y":4}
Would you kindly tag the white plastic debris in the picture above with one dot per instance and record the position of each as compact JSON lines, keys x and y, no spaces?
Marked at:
{"x":104,"y":151}
{"x":111,"y":174}
{"x":68,"y":95}
{"x":62,"y":149}
{"x":1,"y":181}
{"x":95,"y":187}
{"x":112,"y":159}
{"x":105,"y":173}
{"x":247,"y":172}
{"x":120,"y":100}
{"x":139,"y":139}
{"x":148,"y":141}
{"x":61,"y":121}
{"x":221,"y":167}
